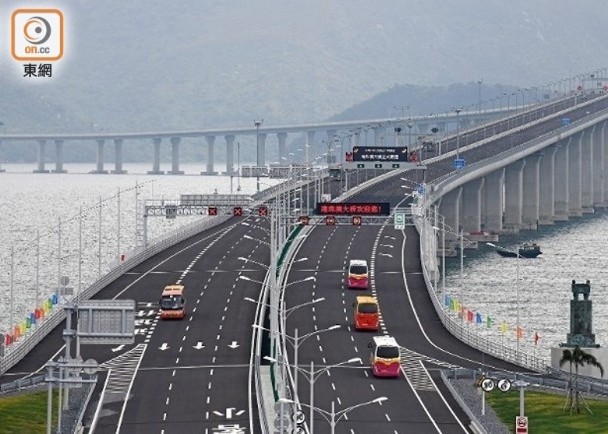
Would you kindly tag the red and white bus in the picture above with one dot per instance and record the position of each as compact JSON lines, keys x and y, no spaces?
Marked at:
{"x":357,"y":274}
{"x":172,"y":302}
{"x":384,"y":357}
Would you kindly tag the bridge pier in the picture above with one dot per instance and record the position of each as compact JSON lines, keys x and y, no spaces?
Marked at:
{"x":378,"y":135}
{"x":1,"y":169}
{"x":261,"y":151}
{"x":118,"y":157}
{"x":513,"y":196}
{"x":175,"y":156}
{"x":531,"y":192}
{"x":41,"y":157}
{"x":156,"y":162}
{"x":587,"y":158}
{"x":99,"y":166}
{"x":471,"y":205}
{"x":59,"y":157}
{"x":599,"y":166}
{"x":492,"y":210}
{"x":574,"y":178}
{"x":562,"y":181}
{"x":450,"y":209}
{"x":603,"y":142}
{"x":210,"y":156}
{"x":546,"y":206}
{"x":229,"y":154}
{"x":282,"y":138}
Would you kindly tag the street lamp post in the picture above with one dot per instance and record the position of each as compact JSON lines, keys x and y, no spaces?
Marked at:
{"x":257,"y":152}
{"x":334,"y":416}
{"x":295,"y":342}
{"x":457,"y":110}
{"x":314,"y":376}
{"x":479,"y":95}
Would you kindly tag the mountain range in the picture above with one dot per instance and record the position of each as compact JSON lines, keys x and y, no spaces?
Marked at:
{"x":144,"y":66}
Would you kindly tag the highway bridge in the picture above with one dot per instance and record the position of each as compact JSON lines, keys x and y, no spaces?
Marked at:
{"x":198,"y":375}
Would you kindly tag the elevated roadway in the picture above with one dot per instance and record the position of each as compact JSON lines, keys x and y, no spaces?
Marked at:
{"x":193,"y":375}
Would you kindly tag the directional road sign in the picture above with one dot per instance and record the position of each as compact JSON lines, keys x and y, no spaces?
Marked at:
{"x":399,"y":220}
{"x":459,"y":163}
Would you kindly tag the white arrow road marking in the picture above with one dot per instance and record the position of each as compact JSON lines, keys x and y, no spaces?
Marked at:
{"x":199,"y":345}
{"x":118,"y":348}
{"x":164,"y":346}
{"x":230,"y":412}
{"x":233,"y":345}
{"x":385,"y":254}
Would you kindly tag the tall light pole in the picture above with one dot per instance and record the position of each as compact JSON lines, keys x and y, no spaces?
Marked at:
{"x":409,"y":133}
{"x":457,"y":110}
{"x":333,"y":416}
{"x":314,"y":376}
{"x":257,"y":151}
{"x":479,"y":94}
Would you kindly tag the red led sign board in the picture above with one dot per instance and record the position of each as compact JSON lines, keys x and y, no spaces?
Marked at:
{"x":350,"y":208}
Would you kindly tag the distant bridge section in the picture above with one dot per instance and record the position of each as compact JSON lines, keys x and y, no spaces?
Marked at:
{"x":387,"y":131}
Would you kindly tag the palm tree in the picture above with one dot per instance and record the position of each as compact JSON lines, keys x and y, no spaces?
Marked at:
{"x":577,"y":357}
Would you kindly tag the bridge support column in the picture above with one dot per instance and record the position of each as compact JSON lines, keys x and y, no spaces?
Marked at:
{"x":156,"y":163}
{"x":492,"y":209}
{"x":599,"y":166}
{"x":546,"y":204}
{"x":355,"y":139}
{"x":561,"y":180}
{"x":513,"y":196}
{"x":229,"y":155}
{"x":210,"y":156}
{"x":604,"y":145}
{"x":471,"y":205}
{"x":531,"y":192}
{"x":118,"y":158}
{"x":587,"y":158}
{"x":378,"y":135}
{"x":282,"y":138}
{"x":175,"y":156}
{"x":261,"y":152}
{"x":59,"y":157}
{"x":99,"y":166}
{"x":574,"y":178}
{"x":331,"y":135}
{"x":41,"y":157}
{"x":450,"y":209}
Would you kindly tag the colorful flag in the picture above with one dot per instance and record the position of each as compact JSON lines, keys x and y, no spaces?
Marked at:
{"x":470,"y":316}
{"x":478,"y":318}
{"x":536,"y":338}
{"x":519,"y":332}
{"x":447,"y":300}
{"x":503,"y":328}
{"x":489,"y":321}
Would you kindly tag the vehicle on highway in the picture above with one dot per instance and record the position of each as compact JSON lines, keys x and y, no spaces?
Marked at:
{"x":335,"y":173}
{"x":357,"y":274}
{"x":172,"y":302}
{"x":384,"y":357}
{"x":366,"y":313}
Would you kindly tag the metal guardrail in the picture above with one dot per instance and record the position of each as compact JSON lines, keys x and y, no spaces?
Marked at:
{"x":22,"y":383}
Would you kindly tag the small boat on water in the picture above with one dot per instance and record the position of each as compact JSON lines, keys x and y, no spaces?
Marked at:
{"x":528,"y":250}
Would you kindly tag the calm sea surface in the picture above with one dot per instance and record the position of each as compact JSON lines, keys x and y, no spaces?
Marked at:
{"x":32,"y":206}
